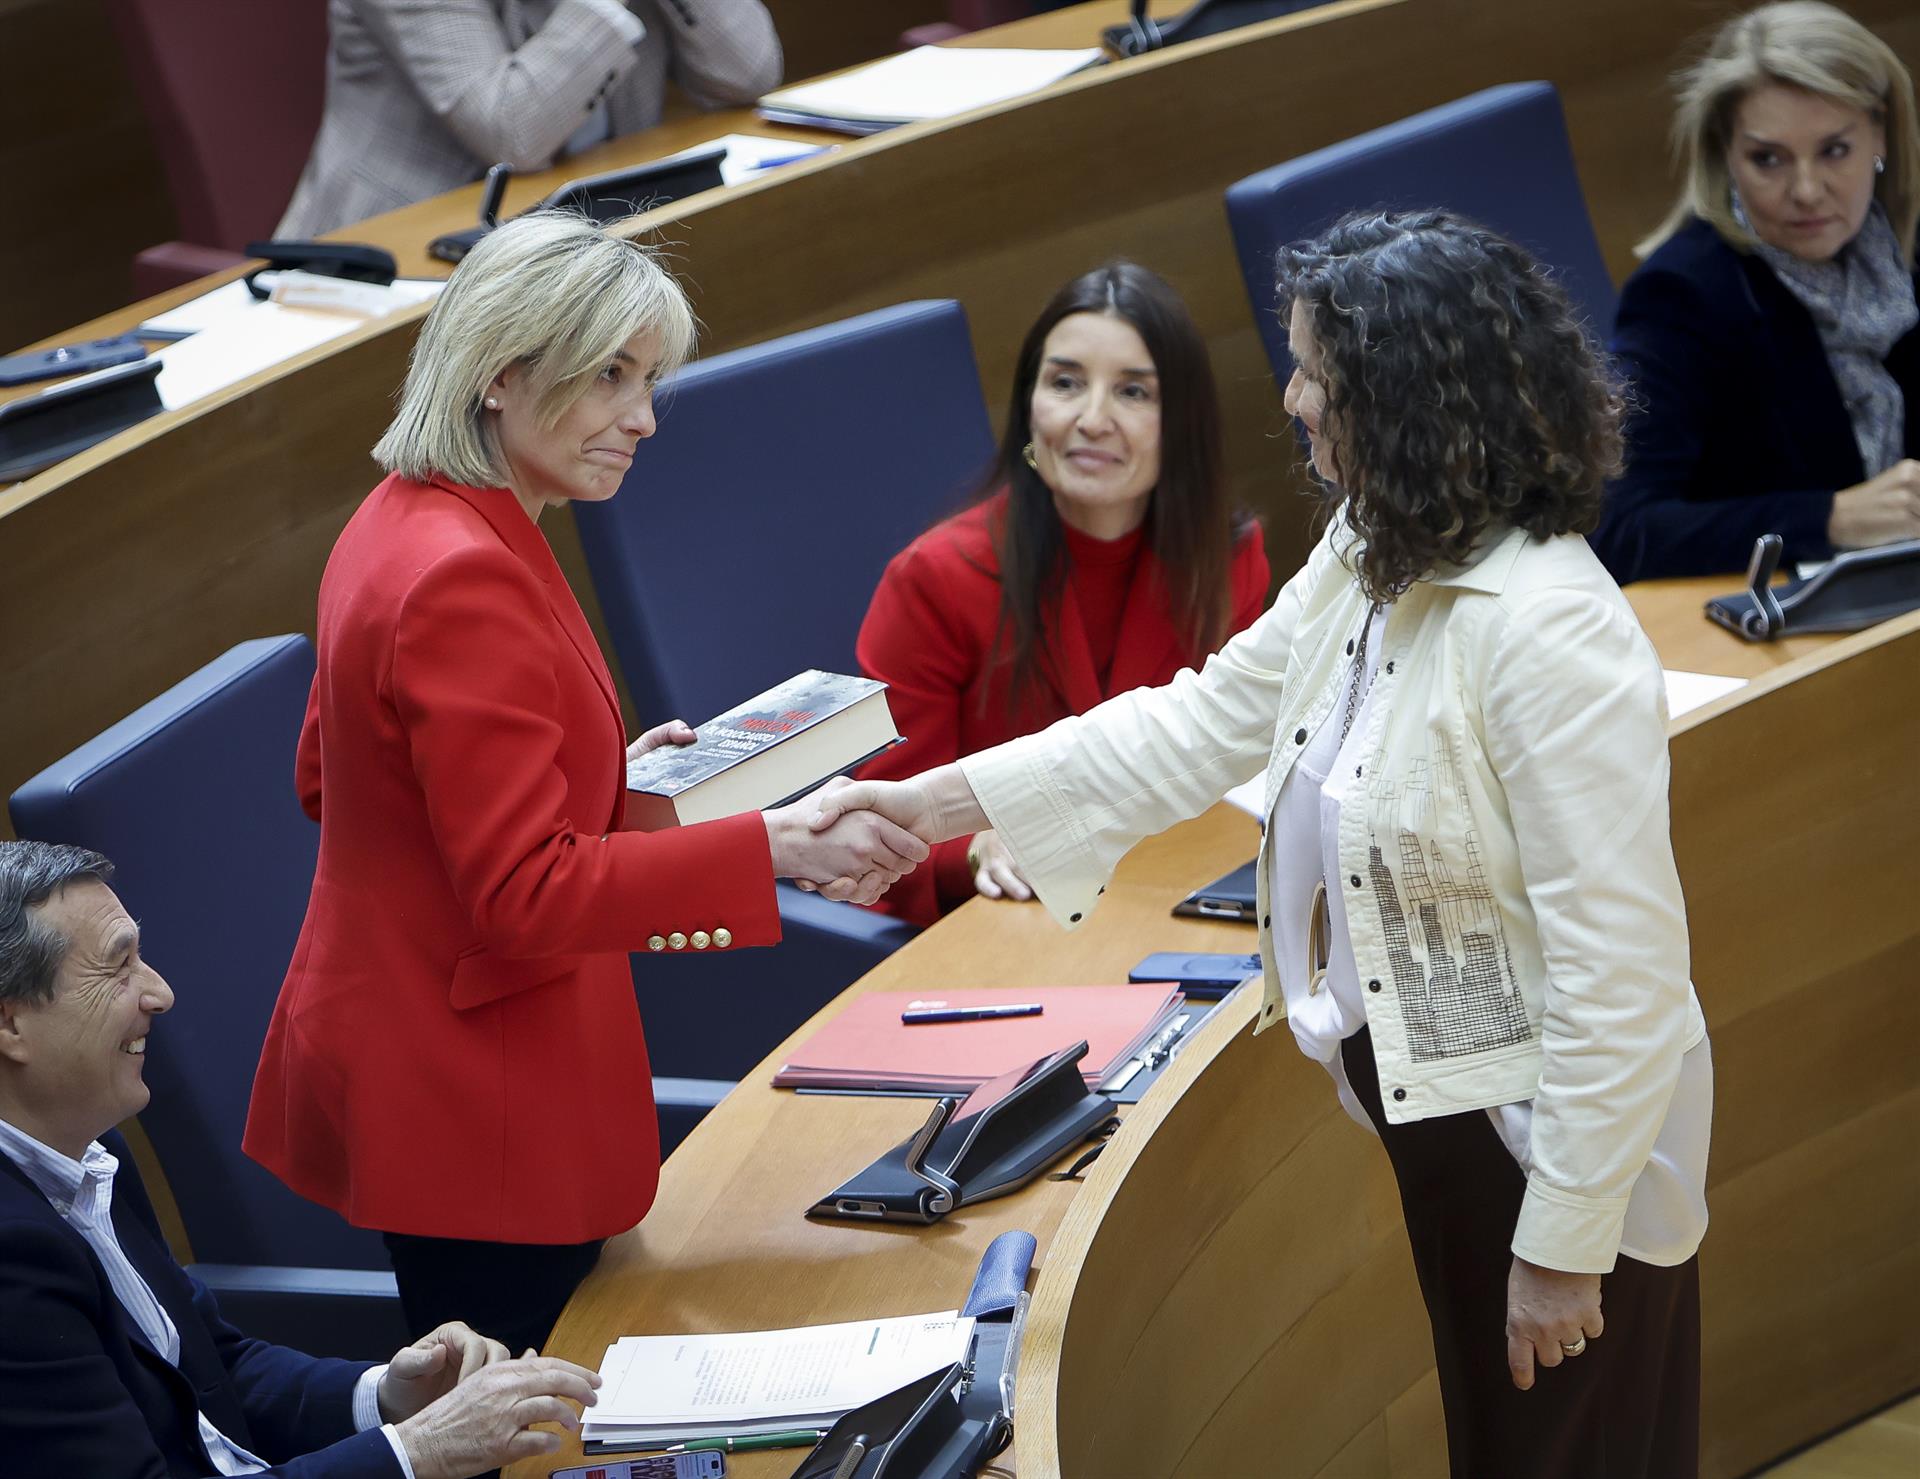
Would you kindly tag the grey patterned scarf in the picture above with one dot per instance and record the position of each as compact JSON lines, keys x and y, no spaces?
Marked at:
{"x":1862,"y":303}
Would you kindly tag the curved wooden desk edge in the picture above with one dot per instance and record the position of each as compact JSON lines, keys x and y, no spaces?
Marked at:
{"x":655,"y":223}
{"x":1036,"y":1399}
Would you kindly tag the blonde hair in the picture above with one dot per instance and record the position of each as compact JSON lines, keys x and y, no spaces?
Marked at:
{"x":552,"y":292}
{"x":1804,"y":44}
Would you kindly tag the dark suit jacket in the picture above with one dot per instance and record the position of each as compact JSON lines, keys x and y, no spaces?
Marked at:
{"x":1737,"y":427}
{"x":84,"y":1395}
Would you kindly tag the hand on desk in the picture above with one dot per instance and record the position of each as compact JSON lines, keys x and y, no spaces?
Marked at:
{"x":432,"y":1366}
{"x":1878,"y":511}
{"x":995,"y":874}
{"x":857,"y":856}
{"x":487,"y":1420}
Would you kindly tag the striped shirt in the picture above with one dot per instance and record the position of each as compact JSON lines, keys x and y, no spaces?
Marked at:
{"x":82,"y":1193}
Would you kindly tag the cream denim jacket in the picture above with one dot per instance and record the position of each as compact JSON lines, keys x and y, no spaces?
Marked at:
{"x":1516,"y":916}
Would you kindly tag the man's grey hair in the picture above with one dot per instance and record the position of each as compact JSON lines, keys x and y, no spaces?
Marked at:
{"x":30,"y":949}
{"x":553,"y":293}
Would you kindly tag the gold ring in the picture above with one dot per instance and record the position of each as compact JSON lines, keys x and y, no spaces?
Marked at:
{"x":1575,"y":1348}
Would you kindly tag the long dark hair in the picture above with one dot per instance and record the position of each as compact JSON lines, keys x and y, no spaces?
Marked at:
{"x":1463,"y":394}
{"x":1190,"y":523}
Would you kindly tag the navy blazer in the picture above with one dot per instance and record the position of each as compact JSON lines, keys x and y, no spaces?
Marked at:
{"x":1736,"y":427}
{"x":84,"y":1395}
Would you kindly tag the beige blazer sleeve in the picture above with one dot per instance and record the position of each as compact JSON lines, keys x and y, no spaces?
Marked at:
{"x":502,"y":99}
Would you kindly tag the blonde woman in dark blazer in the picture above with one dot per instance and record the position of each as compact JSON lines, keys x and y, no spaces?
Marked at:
{"x":424,"y":95}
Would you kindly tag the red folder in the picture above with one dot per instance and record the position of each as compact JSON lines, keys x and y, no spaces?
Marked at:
{"x":867,"y":1047}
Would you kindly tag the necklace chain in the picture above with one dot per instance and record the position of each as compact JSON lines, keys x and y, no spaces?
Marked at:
{"x":1357,"y":687}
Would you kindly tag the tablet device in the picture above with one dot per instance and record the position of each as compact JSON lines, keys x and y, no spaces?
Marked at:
{"x":875,"y":1428}
{"x":1227,"y":897}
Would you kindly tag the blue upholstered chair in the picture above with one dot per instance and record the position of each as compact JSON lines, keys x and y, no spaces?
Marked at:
{"x":192,"y":797}
{"x":1500,"y":156}
{"x":745,"y":546}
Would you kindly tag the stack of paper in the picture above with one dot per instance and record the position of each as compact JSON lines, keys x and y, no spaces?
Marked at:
{"x":658,"y":1390}
{"x":867,"y":1048}
{"x":927,"y":82}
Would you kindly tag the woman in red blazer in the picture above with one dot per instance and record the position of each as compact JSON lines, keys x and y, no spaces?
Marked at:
{"x":1104,"y":557}
{"x":456,"y":1056}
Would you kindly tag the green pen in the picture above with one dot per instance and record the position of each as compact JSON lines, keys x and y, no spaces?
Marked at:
{"x":798,"y":1438}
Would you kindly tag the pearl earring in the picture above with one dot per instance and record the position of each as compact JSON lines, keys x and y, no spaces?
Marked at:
{"x":1879,"y":164}
{"x":492,"y":404}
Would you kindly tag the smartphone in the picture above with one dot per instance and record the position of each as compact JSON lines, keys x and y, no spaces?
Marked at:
{"x":661,"y":1466}
{"x":1200,"y":976}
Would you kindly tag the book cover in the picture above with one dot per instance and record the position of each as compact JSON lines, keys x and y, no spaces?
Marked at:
{"x":740,"y":734}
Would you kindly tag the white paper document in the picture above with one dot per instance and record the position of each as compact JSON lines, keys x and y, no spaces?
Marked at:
{"x":231,"y":305}
{"x":749,"y":156}
{"x":1687,"y":691}
{"x":667,"y":1387}
{"x":928,"y":82}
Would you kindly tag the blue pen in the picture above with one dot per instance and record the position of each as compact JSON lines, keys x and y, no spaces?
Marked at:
{"x":971,"y":1014}
{"x":781,"y":159}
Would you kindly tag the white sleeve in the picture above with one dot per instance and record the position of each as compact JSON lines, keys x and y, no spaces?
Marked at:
{"x":1575,"y":722}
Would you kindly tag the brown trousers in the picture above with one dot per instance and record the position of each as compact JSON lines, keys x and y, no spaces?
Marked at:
{"x":1628,"y":1407}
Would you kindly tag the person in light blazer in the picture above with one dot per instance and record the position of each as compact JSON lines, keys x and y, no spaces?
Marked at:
{"x":1771,"y":338}
{"x":426,"y":95}
{"x":1103,"y":555}
{"x":456,"y":1056}
{"x":1470,"y":912}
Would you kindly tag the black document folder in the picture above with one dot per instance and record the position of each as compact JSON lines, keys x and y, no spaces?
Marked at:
{"x":1008,"y":1131}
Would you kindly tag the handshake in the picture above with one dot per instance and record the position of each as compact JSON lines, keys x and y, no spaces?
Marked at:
{"x":852,"y":840}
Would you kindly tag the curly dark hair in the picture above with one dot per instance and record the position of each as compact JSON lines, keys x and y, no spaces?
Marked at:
{"x":1464,"y":396}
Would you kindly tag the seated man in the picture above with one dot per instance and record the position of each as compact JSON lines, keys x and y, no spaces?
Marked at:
{"x":113,"y":1360}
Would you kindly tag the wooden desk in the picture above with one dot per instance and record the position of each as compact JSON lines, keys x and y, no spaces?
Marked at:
{"x":727,"y":1246}
{"x":1230,"y":1290}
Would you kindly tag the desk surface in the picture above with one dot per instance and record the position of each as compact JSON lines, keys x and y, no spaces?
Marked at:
{"x":727,"y":1247}
{"x":405,"y":232}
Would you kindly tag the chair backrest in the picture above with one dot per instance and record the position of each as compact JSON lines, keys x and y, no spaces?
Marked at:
{"x":234,"y":91}
{"x":755,"y":523}
{"x":192,"y":797}
{"x":1501,"y":157}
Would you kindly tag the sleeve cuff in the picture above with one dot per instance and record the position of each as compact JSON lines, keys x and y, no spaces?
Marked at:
{"x":399,"y":1451}
{"x":366,"y":1399}
{"x":1039,"y":829}
{"x":631,"y":28}
{"x":1574,"y":1234}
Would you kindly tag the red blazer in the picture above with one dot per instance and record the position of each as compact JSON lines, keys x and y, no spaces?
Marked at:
{"x":456,"y":1051}
{"x":928,"y":633}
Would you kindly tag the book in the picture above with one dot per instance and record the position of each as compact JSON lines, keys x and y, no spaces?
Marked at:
{"x":927,"y":82}
{"x":868,"y":1049}
{"x":658,"y":1390}
{"x":775,"y":747}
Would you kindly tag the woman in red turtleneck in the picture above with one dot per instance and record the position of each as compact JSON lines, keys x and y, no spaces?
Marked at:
{"x":1103,"y":557}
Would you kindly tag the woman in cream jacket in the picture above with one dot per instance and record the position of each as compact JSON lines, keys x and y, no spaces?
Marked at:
{"x":1471,"y":914}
